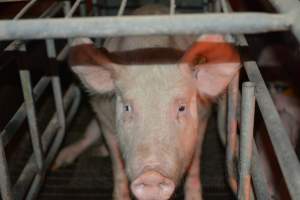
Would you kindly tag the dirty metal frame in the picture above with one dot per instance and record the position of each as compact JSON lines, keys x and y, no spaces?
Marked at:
{"x":287,"y":158}
{"x":31,"y":177}
{"x":228,"y":23}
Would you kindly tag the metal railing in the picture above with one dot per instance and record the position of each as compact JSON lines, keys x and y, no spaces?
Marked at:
{"x":32,"y":175}
{"x":227,"y":23}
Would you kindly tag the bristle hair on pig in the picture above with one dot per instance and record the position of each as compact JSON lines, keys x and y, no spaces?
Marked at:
{"x":155,"y":118}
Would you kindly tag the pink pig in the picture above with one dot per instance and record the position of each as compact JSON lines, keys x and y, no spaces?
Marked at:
{"x":152,"y":101}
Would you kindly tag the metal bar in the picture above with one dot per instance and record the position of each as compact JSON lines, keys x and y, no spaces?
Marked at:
{"x":30,"y":109}
{"x":285,"y":154}
{"x":172,"y":7}
{"x":231,"y":146}
{"x":246,"y":138}
{"x":5,"y":185}
{"x":16,"y":121}
{"x":258,"y":176}
{"x":285,"y":5}
{"x":25,"y":9}
{"x":73,"y":9}
{"x":51,"y":11}
{"x":142,"y":25}
{"x":25,"y":179}
{"x":122,"y":8}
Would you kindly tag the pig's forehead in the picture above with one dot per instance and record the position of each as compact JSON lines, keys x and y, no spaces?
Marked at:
{"x":159,"y":78}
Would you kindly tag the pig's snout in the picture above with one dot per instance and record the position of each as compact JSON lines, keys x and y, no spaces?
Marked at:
{"x":152,"y":185}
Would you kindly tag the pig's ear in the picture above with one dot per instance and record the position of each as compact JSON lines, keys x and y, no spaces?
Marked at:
{"x":93,"y":66}
{"x":213,"y":63}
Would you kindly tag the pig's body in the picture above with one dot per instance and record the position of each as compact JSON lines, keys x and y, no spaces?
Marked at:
{"x":152,"y":101}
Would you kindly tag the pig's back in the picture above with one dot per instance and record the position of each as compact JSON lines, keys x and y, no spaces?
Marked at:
{"x":140,"y":42}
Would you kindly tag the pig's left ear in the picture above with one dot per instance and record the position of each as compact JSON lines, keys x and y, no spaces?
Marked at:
{"x":213,"y":63}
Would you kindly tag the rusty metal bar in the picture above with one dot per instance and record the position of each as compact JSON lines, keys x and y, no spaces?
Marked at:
{"x":31,"y":116}
{"x":285,"y":154}
{"x":5,"y":184}
{"x":142,"y":25}
{"x":231,"y":146}
{"x":246,"y":138}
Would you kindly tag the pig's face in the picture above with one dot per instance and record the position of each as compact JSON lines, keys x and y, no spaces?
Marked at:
{"x":157,"y":107}
{"x":157,"y":119}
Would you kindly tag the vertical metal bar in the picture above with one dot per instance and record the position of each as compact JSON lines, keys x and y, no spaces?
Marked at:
{"x":122,"y":8}
{"x":287,"y":158}
{"x":246,"y":137}
{"x":5,"y":184}
{"x":31,"y":116}
{"x":83,"y":9}
{"x":172,"y":7}
{"x":258,"y":176}
{"x":231,"y":147}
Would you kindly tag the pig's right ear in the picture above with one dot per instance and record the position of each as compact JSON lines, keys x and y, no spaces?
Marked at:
{"x":93,"y":66}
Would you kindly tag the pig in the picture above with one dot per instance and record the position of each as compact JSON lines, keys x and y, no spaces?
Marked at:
{"x":152,"y":98}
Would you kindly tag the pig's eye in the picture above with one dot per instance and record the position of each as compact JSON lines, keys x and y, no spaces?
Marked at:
{"x":181,"y":108}
{"x":127,"y":108}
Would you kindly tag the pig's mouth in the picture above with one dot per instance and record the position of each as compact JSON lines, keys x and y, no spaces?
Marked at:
{"x":152,"y":185}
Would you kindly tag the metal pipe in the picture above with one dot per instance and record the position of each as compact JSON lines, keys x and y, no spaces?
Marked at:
{"x":246,"y":138}
{"x":285,"y":5}
{"x":5,"y":184}
{"x":231,"y":146}
{"x":25,"y":179}
{"x":144,"y":25}
{"x":258,"y":176}
{"x":25,"y":9}
{"x":18,"y":118}
{"x":31,"y":116}
{"x":73,"y":9}
{"x":172,"y":7}
{"x":122,"y":8}
{"x":51,"y":11}
{"x":284,"y":151}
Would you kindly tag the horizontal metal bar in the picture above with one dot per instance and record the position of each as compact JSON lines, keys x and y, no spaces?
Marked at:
{"x":51,"y":11}
{"x":246,"y":138}
{"x":144,"y":25}
{"x":284,"y":151}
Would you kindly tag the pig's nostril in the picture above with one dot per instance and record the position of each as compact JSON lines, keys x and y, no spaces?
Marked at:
{"x":152,"y":185}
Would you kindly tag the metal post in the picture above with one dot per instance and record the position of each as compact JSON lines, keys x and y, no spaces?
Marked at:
{"x":5,"y":184}
{"x":31,"y":116}
{"x":285,"y":154}
{"x":246,"y":137}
